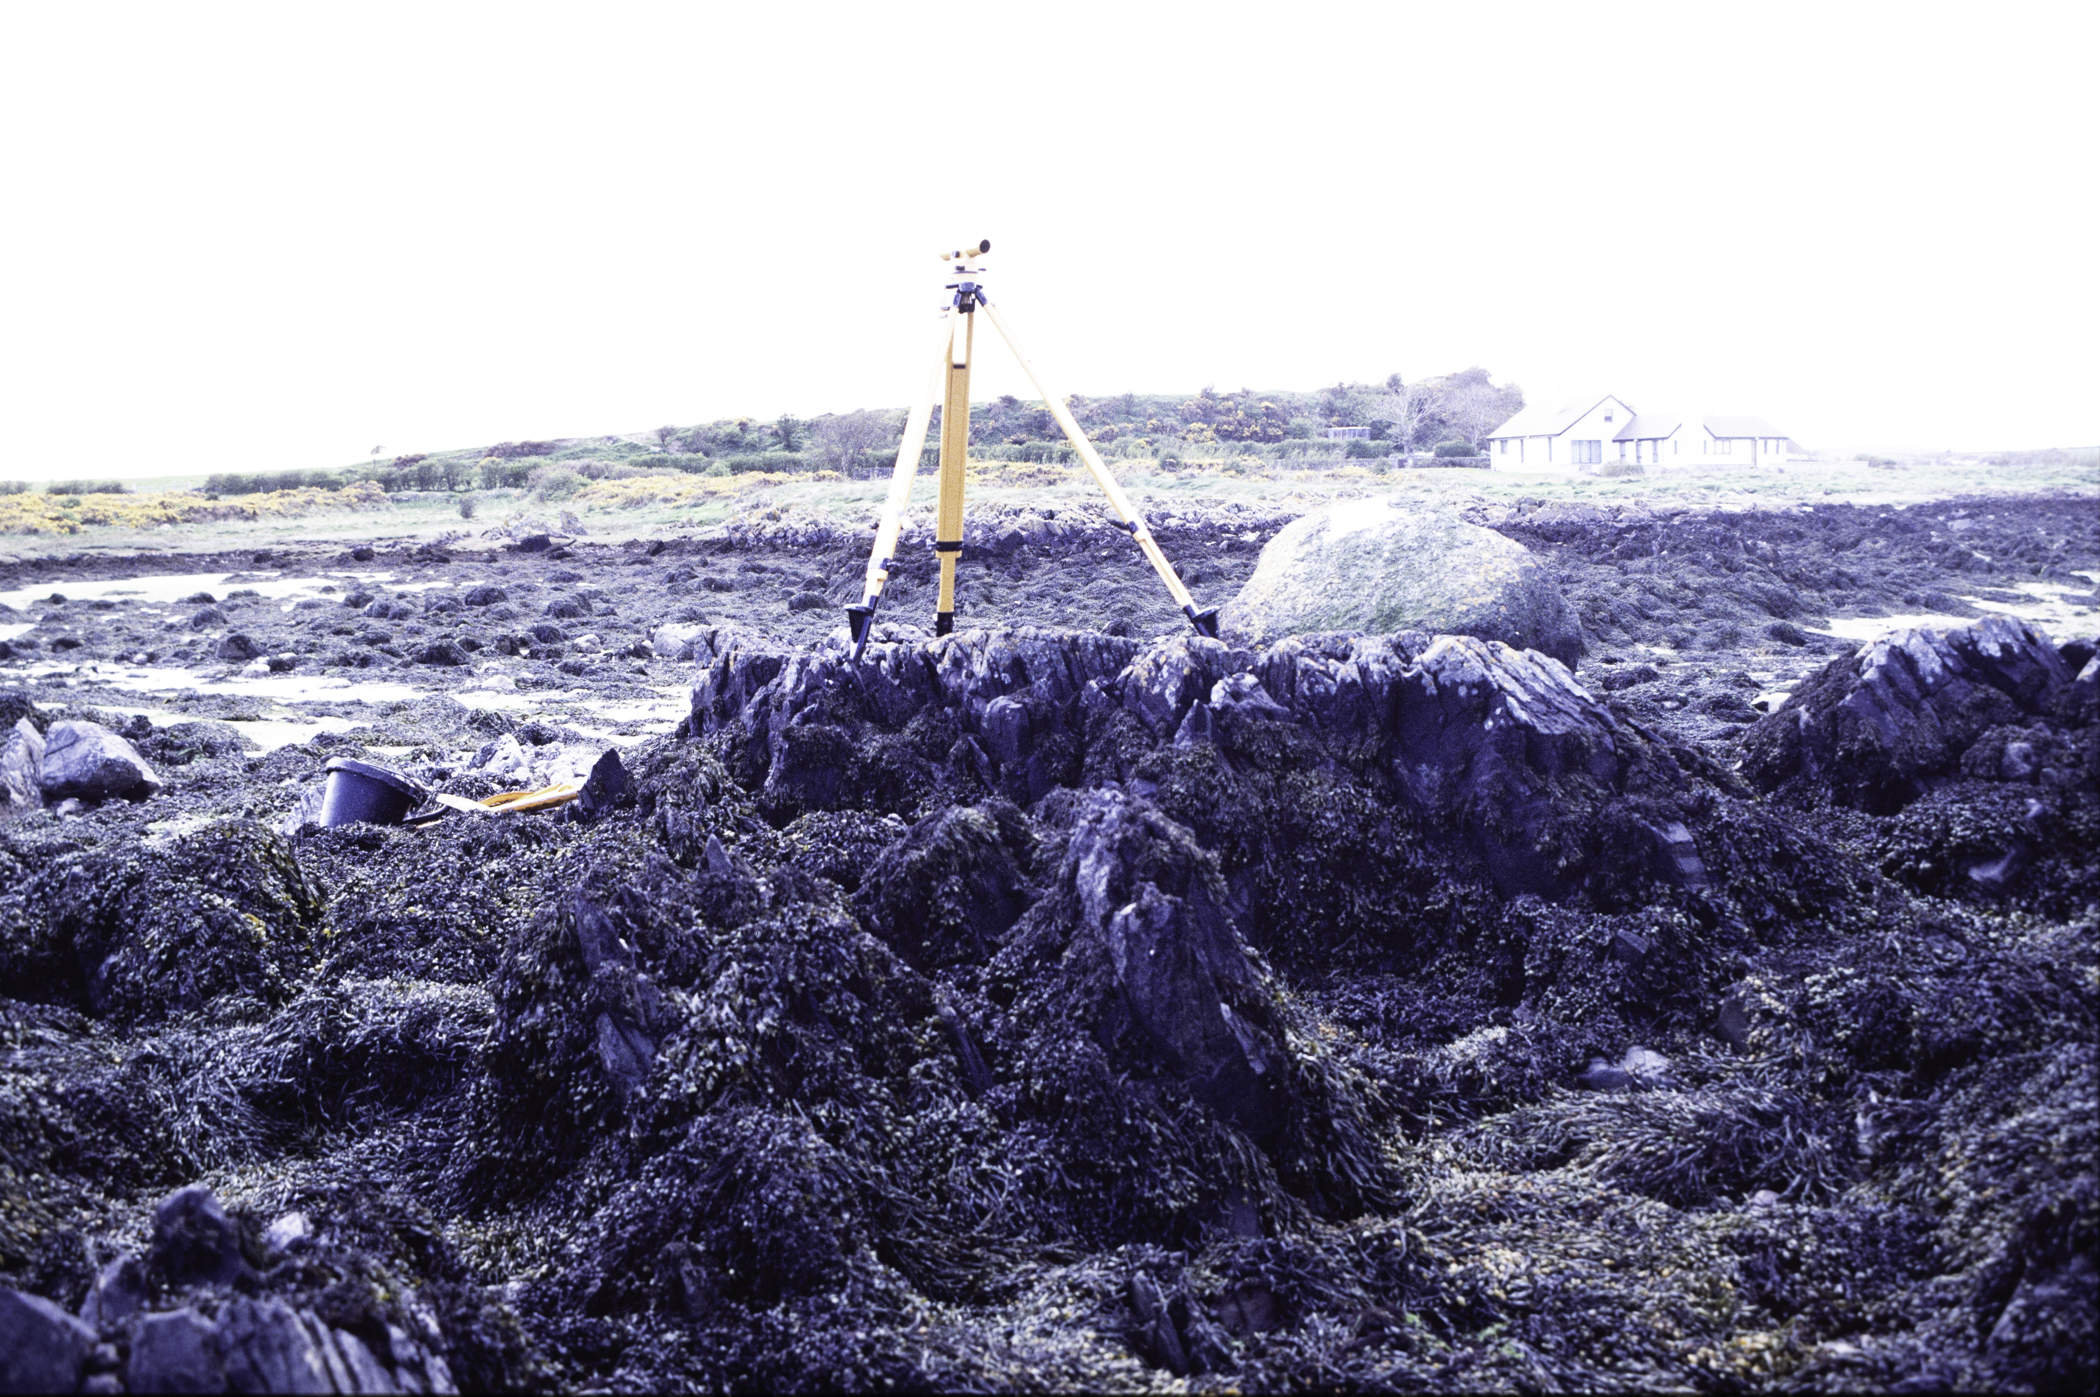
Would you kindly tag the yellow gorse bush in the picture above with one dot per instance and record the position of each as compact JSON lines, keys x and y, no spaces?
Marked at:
{"x":38,"y":513}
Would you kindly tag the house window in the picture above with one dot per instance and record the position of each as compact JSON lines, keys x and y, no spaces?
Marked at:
{"x":1673,"y":448}
{"x":1589,"y":453}
{"x":1723,"y":445}
{"x":1607,"y":414}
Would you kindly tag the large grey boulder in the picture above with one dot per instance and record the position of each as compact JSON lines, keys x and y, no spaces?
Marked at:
{"x":88,"y":761}
{"x":21,"y":768}
{"x":1379,"y":567}
{"x":42,"y":1348}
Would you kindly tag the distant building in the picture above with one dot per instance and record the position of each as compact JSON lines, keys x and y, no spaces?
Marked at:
{"x":1346,"y":433}
{"x":1593,"y":432}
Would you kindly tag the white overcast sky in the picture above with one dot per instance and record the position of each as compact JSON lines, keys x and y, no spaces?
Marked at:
{"x":246,"y":237}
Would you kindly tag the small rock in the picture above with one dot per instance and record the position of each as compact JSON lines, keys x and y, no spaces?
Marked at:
{"x":238,"y":647}
{"x":175,"y":1352}
{"x":21,"y":767}
{"x":42,"y":1348}
{"x":604,"y":786}
{"x":1156,"y":1338}
{"x":291,"y":1230}
{"x":87,"y":761}
{"x":209,"y":616}
{"x":194,"y":1240}
{"x":361,"y":553}
{"x":266,"y":1349}
{"x":442,"y":652}
{"x":1787,"y":633}
{"x":805,"y":601}
{"x":1645,"y":1065}
{"x":120,"y":1290}
{"x":1602,"y":1076}
{"x":485,"y":595}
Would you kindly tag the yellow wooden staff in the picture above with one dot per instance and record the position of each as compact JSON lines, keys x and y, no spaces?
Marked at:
{"x":951,"y":385}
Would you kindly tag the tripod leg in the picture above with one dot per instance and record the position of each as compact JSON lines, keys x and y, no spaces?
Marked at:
{"x":860,"y":620}
{"x":1204,"y":620}
{"x":955,"y":450}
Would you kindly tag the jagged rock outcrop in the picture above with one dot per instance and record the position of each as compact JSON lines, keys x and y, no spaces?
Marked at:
{"x":1880,"y":728}
{"x":1501,"y":745}
{"x":1152,"y":906}
{"x":1378,"y":567}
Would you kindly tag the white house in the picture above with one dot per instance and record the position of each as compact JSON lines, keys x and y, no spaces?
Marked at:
{"x":1589,"y":433}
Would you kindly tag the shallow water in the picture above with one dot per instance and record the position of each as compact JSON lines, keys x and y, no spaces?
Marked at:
{"x":280,"y":688}
{"x":168,"y":588}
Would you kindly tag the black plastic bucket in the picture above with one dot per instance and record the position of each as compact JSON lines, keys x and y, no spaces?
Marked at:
{"x":359,"y":792}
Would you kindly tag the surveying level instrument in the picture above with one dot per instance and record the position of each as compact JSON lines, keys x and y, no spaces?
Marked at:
{"x":956,"y":343}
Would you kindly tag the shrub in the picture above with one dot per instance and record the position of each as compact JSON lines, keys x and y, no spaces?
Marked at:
{"x":717,"y":468}
{"x":86,"y":487}
{"x":500,"y":474}
{"x":1361,"y":450}
{"x":467,"y":507}
{"x":266,"y":482}
{"x":1622,"y":468}
{"x":14,"y":487}
{"x":769,"y":461}
{"x":555,"y":482}
{"x":1455,"y":448}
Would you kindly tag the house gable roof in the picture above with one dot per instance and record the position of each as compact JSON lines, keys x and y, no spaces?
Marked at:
{"x":1551,"y":422}
{"x":1739,"y":427}
{"x":1648,"y":426}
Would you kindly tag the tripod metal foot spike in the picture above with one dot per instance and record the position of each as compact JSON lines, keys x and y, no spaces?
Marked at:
{"x":951,"y":384}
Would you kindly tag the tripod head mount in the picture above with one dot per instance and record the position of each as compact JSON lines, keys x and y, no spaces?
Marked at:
{"x":968,"y":295}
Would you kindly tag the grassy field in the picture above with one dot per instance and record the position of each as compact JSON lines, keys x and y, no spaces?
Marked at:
{"x":176,"y":519}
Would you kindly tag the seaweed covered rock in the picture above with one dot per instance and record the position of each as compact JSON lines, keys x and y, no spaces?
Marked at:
{"x":347,"y":1291}
{"x":139,"y":933}
{"x":1878,"y":729}
{"x":949,"y":890}
{"x":1134,"y":1001}
{"x":1376,"y":567}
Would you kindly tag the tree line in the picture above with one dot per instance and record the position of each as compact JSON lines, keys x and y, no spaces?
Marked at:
{"x":1397,"y":416}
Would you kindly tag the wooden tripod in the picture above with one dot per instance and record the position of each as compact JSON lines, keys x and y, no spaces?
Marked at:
{"x":951,"y":385}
